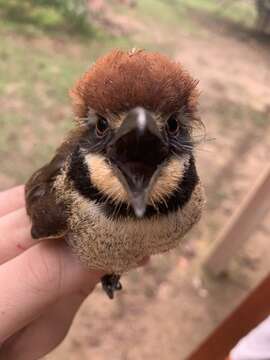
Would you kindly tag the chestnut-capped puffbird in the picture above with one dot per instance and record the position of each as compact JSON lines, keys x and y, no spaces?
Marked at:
{"x":123,"y":185}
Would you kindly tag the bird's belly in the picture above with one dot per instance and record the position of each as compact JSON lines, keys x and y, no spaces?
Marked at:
{"x":119,"y":245}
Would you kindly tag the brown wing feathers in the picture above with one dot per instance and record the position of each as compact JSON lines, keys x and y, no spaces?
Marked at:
{"x":47,"y":216}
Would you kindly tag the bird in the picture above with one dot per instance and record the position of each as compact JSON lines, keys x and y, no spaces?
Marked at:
{"x":123,"y":185}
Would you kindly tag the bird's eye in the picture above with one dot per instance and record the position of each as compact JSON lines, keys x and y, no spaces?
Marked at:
{"x":173,"y":125}
{"x":101,"y":126}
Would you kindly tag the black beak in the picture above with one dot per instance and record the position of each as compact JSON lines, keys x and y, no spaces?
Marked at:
{"x":137,"y":151}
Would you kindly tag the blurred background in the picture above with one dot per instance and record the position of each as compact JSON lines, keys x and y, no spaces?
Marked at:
{"x":169,"y":306}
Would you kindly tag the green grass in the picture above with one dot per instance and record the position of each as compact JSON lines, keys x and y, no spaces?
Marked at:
{"x":175,"y":12}
{"x":169,"y":14}
{"x":239,"y":11}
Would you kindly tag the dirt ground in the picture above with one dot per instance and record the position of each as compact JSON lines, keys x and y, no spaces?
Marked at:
{"x":169,"y":306}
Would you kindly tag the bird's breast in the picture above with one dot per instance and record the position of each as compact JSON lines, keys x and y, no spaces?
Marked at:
{"x":117,"y":245}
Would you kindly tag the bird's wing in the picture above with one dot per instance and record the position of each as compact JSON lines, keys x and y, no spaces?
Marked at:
{"x":47,"y":214}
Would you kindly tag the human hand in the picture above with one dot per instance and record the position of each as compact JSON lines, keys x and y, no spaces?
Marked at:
{"x":42,"y":285}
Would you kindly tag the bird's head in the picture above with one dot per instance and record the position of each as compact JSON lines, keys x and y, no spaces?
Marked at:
{"x":137,"y":110}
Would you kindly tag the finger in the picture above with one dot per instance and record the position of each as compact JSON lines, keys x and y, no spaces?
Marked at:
{"x":14,"y":235}
{"x":11,"y":199}
{"x":35,"y":280}
{"x":43,"y":334}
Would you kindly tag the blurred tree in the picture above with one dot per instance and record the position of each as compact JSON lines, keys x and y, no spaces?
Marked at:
{"x":263,"y":17}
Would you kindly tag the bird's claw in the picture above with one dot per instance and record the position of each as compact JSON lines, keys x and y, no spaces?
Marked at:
{"x":110,"y":284}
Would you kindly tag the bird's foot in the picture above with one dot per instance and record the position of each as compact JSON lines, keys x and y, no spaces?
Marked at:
{"x":110,"y":284}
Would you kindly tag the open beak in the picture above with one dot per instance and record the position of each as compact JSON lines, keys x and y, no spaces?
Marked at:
{"x":137,"y":151}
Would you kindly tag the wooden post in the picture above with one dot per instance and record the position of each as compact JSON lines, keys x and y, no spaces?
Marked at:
{"x":246,"y":317}
{"x":240,"y":227}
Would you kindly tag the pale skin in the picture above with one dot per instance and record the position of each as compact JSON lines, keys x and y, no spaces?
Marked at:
{"x":42,"y":285}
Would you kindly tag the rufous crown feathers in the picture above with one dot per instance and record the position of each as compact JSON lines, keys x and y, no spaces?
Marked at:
{"x":122,"y":80}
